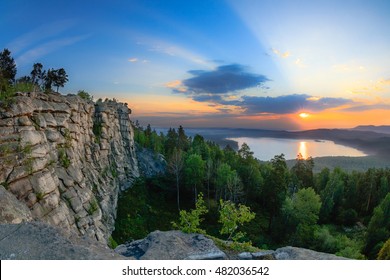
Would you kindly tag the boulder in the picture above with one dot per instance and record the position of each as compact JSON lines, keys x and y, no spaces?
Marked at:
{"x":294,"y":253}
{"x":39,"y":241}
{"x":172,"y":245}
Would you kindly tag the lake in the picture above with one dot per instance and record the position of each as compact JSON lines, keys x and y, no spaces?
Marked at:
{"x":266,"y":148}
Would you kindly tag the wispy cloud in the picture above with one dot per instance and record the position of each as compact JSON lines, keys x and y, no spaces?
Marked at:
{"x":281,"y":54}
{"x":172,"y":49}
{"x":39,"y":34}
{"x":133,"y":59}
{"x":373,"y":88}
{"x":43,"y":49}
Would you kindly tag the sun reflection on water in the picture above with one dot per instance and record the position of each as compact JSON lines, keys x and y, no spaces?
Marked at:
{"x":303,"y":149}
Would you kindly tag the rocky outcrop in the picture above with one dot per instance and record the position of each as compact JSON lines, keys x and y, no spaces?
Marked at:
{"x":66,"y":159}
{"x":149,"y":163}
{"x":172,"y":245}
{"x":38,"y":241}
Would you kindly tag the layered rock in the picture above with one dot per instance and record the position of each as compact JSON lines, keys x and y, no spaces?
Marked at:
{"x":66,"y":159}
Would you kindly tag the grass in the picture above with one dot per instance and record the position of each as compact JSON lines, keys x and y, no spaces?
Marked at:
{"x":63,"y":158}
{"x":93,"y":207}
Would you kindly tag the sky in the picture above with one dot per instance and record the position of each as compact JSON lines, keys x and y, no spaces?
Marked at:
{"x":274,"y":64}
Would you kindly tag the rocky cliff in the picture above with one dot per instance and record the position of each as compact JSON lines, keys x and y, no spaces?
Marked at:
{"x":65,"y":160}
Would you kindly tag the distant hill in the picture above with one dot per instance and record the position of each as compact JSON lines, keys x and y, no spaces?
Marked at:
{"x":378,"y":129}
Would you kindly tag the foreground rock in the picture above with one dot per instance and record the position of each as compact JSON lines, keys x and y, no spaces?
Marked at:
{"x":172,"y":245}
{"x":294,"y":253}
{"x":289,"y":253}
{"x":38,"y":241}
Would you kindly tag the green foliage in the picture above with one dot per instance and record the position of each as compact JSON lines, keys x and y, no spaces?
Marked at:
{"x":85,"y":95}
{"x":384,"y":253}
{"x":327,"y":239}
{"x":228,"y":183}
{"x":144,"y":208}
{"x":39,"y":196}
{"x":301,"y":213}
{"x":275,"y":187}
{"x":112,"y":243}
{"x":345,"y":199}
{"x":7,"y":67}
{"x":234,"y":246}
{"x":378,"y":230}
{"x":302,"y":173}
{"x":194,"y":172}
{"x":63,"y":158}
{"x":93,"y":207}
{"x":231,"y":217}
{"x":55,"y":77}
{"x":97,"y":130}
{"x":68,"y":138}
{"x":189,"y":221}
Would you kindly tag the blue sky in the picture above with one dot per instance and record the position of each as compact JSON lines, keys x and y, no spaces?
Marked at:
{"x":215,"y":63}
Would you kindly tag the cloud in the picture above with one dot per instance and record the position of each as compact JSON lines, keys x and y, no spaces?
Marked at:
{"x":133,"y":59}
{"x":39,"y":34}
{"x":49,"y":47}
{"x":287,"y":104}
{"x":223,"y":80}
{"x":285,"y":54}
{"x":361,"y":108}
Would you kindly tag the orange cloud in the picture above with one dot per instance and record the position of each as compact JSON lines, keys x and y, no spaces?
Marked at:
{"x":173,"y":84}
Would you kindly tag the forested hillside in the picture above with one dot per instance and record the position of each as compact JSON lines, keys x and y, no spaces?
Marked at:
{"x":334,"y":211}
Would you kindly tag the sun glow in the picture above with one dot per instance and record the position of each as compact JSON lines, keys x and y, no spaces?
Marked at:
{"x":304,"y":115}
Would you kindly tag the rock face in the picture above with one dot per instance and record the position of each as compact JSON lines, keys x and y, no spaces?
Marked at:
{"x":66,"y":160}
{"x":12,"y":211}
{"x":172,"y":245}
{"x":149,"y":163}
{"x":38,"y":241}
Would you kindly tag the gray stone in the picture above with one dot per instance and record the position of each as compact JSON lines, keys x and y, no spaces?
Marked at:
{"x":294,"y":253}
{"x":30,"y":137}
{"x":38,"y":120}
{"x":12,"y":211}
{"x":172,"y":245}
{"x":43,"y":182}
{"x":263,"y":255}
{"x":38,"y":241}
{"x":245,"y":256}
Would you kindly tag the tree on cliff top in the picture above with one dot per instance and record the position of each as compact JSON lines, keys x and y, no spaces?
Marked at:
{"x":57,"y":78}
{"x":7,"y":66}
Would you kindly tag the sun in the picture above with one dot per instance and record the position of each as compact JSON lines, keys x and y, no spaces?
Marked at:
{"x":304,"y":115}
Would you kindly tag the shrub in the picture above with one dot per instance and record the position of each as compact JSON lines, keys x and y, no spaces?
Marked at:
{"x":85,"y":95}
{"x":189,"y":221}
{"x":231,"y":217}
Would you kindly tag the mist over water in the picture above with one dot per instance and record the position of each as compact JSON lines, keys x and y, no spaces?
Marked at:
{"x":266,"y":148}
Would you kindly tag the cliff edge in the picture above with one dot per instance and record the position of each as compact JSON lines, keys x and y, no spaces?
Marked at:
{"x":65,"y":159}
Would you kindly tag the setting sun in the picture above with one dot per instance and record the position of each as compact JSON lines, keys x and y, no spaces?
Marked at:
{"x":304,"y":115}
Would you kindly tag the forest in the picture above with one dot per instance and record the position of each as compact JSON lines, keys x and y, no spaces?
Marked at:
{"x":232,"y":196}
